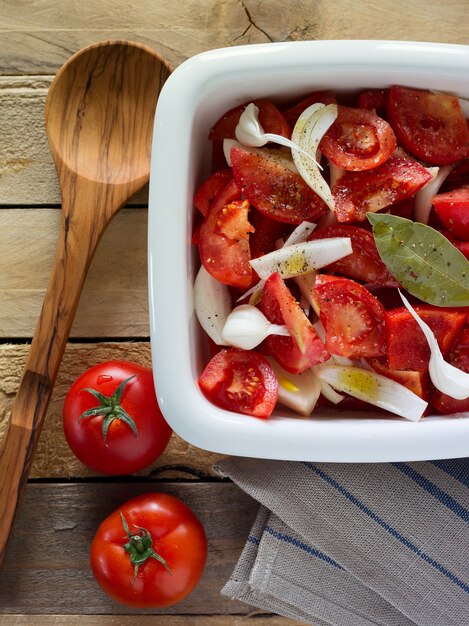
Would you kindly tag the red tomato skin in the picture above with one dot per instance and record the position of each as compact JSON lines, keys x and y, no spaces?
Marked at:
{"x":123,"y":452}
{"x":280,"y":307}
{"x":295,"y":110}
{"x":270,"y":118}
{"x":224,"y":243}
{"x":459,"y":357}
{"x":374,"y":99}
{"x":178,"y":537}
{"x":452,"y":208}
{"x":406,"y":346}
{"x":273,"y":189}
{"x":352,"y":317}
{"x":242,"y":381}
{"x":430,"y":126}
{"x":358,"y":140}
{"x":356,"y":193}
{"x":364,"y":263}
{"x":210,"y":188}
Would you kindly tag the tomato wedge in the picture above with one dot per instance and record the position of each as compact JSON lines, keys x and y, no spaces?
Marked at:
{"x":431,"y":126}
{"x":294,"y":111}
{"x":211,"y":187}
{"x":352,"y":317}
{"x":364,"y":263}
{"x":270,"y":118}
{"x":358,"y":140}
{"x":273,"y":189}
{"x":459,"y":357}
{"x":374,"y":100}
{"x":242,"y":381}
{"x":303,"y":348}
{"x":224,"y":244}
{"x":417,"y":382}
{"x":356,"y":193}
{"x":406,"y":346}
{"x":453,"y":210}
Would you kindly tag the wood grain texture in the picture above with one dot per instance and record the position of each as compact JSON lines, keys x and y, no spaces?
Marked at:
{"x":53,"y":458}
{"x":99,"y":120}
{"x":47,"y":569}
{"x":254,"y":619}
{"x":114,"y":302}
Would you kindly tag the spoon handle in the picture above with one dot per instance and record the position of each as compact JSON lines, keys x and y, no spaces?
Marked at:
{"x":73,"y":257}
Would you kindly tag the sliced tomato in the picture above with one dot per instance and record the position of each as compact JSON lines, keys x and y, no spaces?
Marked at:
{"x":462,"y":246}
{"x":374,"y":100}
{"x":270,"y":118}
{"x":266,"y":233}
{"x":452,"y":208}
{"x":224,"y":244}
{"x":458,"y":177}
{"x":358,"y":140}
{"x":459,"y":357}
{"x":295,"y":110}
{"x":364,"y":263}
{"x":403,"y":208}
{"x":356,"y":193}
{"x":352,"y":317}
{"x":242,"y":381}
{"x":273,"y":188}
{"x":431,"y":126}
{"x":210,"y":188}
{"x":303,"y":348}
{"x":406,"y":346}
{"x":417,"y":382}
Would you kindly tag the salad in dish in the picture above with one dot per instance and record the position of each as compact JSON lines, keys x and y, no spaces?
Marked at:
{"x":334,"y":245}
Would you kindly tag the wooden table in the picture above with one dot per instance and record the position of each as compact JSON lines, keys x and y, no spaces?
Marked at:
{"x":46,"y":577}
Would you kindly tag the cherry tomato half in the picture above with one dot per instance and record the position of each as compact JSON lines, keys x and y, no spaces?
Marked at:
{"x":452,"y":208}
{"x":111,"y":418}
{"x":431,"y":126}
{"x":242,"y":381}
{"x":358,"y":140}
{"x":150,"y":552}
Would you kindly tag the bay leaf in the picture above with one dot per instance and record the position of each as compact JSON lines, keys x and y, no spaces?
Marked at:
{"x":422,"y":260}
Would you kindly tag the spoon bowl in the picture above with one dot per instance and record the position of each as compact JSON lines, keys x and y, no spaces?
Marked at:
{"x":99,"y":117}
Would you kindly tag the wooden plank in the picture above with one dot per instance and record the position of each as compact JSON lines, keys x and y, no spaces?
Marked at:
{"x":53,"y":458}
{"x":46,"y":569}
{"x":255,"y":619}
{"x":114,"y":301}
{"x":27,"y":172}
{"x":38,"y":42}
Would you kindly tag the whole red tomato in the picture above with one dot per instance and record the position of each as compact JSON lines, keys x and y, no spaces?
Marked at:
{"x":150,"y":552}
{"x":112,"y":420}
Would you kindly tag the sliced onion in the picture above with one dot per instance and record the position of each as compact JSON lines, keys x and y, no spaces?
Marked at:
{"x":375,"y":389}
{"x":423,"y":197}
{"x":249,"y":132}
{"x":448,"y":379}
{"x":300,"y":234}
{"x":246,"y":327}
{"x":212,"y":305}
{"x":310,"y":128}
{"x":302,"y":258}
{"x":299,"y":392}
{"x":306,"y":285}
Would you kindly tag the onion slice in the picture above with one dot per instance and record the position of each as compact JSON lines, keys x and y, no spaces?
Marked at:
{"x":212,"y":305}
{"x":310,"y":128}
{"x":375,"y":389}
{"x":302,"y":258}
{"x":448,"y":379}
{"x":423,"y":197}
{"x":299,"y":392}
{"x":246,"y":327}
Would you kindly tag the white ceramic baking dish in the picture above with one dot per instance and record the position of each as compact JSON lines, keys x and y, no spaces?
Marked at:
{"x":193,"y":98}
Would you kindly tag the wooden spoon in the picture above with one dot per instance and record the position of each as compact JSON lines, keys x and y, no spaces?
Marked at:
{"x":99,"y":118}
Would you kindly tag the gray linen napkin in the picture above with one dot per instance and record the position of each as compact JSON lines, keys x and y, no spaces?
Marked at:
{"x":356,"y":544}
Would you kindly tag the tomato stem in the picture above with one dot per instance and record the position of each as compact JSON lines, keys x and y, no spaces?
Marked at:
{"x":140,"y":547}
{"x":110,"y":408}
